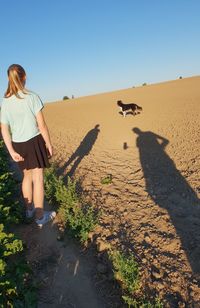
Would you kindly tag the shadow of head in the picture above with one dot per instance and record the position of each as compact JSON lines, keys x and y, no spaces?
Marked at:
{"x":137,"y":131}
{"x":97,"y":127}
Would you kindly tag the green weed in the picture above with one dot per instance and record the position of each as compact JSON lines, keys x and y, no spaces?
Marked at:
{"x":107,"y":180}
{"x":10,"y":207}
{"x":16,"y":287}
{"x":75,"y":214}
{"x":141,"y":303}
{"x":126,"y":272}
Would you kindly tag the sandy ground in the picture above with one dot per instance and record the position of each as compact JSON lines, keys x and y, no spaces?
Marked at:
{"x":152,"y":205}
{"x":65,"y":274}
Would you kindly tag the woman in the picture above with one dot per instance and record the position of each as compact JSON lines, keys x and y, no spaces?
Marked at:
{"x":27,"y":139}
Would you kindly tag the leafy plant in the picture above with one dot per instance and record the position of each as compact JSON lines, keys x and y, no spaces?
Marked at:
{"x":51,"y":184}
{"x":16,"y":288}
{"x":107,"y":180}
{"x":125,"y":270}
{"x":75,"y":214}
{"x":141,"y":303}
{"x":10,"y":207}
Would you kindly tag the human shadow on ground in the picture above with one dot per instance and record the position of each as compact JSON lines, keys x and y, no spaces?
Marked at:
{"x":170,"y":190}
{"x":83,"y":150}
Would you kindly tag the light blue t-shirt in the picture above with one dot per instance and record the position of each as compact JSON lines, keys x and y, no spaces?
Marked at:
{"x":20,"y":115}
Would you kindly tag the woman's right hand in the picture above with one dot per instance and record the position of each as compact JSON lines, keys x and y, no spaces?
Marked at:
{"x":16,"y":156}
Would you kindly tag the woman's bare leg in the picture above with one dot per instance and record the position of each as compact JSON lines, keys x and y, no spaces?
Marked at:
{"x":38,"y":191}
{"x":27,"y":188}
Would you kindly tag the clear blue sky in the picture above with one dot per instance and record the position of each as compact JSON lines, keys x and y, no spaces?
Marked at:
{"x":82,"y":47}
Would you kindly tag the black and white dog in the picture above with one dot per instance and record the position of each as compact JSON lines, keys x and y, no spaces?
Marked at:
{"x":126,"y":107}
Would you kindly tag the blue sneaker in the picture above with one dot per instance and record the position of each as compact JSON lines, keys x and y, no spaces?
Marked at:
{"x":47,"y":216}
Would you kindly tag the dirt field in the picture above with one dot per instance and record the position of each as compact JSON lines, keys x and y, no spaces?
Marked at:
{"x":152,"y":205}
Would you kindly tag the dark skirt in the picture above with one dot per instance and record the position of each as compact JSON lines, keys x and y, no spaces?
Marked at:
{"x":34,"y":152}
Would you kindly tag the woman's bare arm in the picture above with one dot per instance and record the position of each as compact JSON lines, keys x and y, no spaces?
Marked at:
{"x":8,"y":142}
{"x":44,"y":131}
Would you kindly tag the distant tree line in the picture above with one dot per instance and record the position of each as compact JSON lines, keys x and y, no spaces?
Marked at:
{"x":67,"y":97}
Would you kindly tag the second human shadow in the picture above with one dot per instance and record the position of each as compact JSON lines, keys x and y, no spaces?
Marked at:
{"x":169,"y":189}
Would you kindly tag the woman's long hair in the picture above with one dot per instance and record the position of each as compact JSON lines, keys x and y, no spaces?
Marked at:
{"x":16,"y":80}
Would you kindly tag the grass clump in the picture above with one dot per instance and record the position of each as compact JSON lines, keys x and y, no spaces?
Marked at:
{"x":141,"y":303}
{"x":53,"y":183}
{"x":126,"y":272}
{"x":107,"y":180}
{"x":75,"y":214}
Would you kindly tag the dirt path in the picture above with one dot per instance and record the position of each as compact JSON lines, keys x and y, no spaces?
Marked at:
{"x":66,"y":274}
